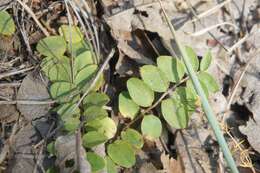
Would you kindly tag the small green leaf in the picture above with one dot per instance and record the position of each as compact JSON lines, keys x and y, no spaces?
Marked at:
{"x":206,"y":61}
{"x":193,"y":58}
{"x":133,"y":137}
{"x":76,"y":49}
{"x":173,"y":68}
{"x":60,"y":89}
{"x":85,"y":75}
{"x":140,"y":92}
{"x":175,"y":113}
{"x":83,"y":60}
{"x":110,"y":165}
{"x":104,"y":126}
{"x":151,"y":127}
{"x":93,"y":138}
{"x":71,"y":123}
{"x":72,"y":33}
{"x":154,"y":78}
{"x":204,"y":87}
{"x":96,"y":99}
{"x":57,"y":69}
{"x":51,"y":148}
{"x":127,"y":107}
{"x":52,"y":46}
{"x":67,"y":108}
{"x":95,"y":112}
{"x":122,"y":153}
{"x":97,"y":162}
{"x":209,"y":81}
{"x":7,"y":26}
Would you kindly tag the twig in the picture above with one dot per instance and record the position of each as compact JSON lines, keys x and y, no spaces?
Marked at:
{"x":27,"y":102}
{"x":8,"y":74}
{"x":34,"y":17}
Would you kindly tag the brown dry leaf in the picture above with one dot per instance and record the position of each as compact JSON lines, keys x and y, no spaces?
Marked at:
{"x":33,"y":89}
{"x":171,"y":165}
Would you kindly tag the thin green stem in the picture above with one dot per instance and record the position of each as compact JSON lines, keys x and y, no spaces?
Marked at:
{"x":205,"y":104}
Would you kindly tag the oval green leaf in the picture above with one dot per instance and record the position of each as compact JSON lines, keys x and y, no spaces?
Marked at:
{"x":175,"y":114}
{"x":104,"y":126}
{"x":122,"y":153}
{"x":97,"y":162}
{"x":71,"y":123}
{"x":140,"y":92}
{"x":7,"y":26}
{"x":60,"y":89}
{"x":127,"y":107}
{"x":96,"y":99}
{"x":95,"y":112}
{"x":52,"y":46}
{"x":85,"y":75}
{"x":57,"y":69}
{"x":209,"y":81}
{"x":83,"y":60}
{"x":192,"y":58}
{"x":206,"y":61}
{"x":133,"y":137}
{"x":154,"y":78}
{"x":151,"y":127}
{"x":71,"y":33}
{"x":172,"y":67}
{"x":93,"y":138}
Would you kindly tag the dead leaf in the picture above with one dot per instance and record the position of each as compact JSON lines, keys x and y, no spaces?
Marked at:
{"x":33,"y":89}
{"x":170,"y":164}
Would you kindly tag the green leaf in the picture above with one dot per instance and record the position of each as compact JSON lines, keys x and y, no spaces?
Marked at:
{"x":204,"y":87}
{"x":67,"y":108}
{"x":122,"y":153}
{"x":95,"y":112}
{"x":96,"y":99}
{"x":206,"y":61}
{"x":76,"y":49}
{"x":175,"y":113}
{"x":60,"y":89}
{"x":85,"y":75}
{"x":173,"y":68}
{"x":151,"y":127}
{"x":71,"y":123}
{"x":154,"y":78}
{"x":140,"y":92}
{"x":83,"y":60}
{"x":52,"y":46}
{"x":104,"y":126}
{"x":7,"y":26}
{"x":192,"y":58}
{"x":127,"y":107}
{"x":93,"y":138}
{"x":97,"y":162}
{"x":57,"y":69}
{"x":209,"y":81}
{"x":71,"y":33}
{"x":133,"y":137}
{"x":51,"y":148}
{"x":110,"y":165}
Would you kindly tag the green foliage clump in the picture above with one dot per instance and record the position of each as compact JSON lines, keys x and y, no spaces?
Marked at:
{"x":70,"y":66}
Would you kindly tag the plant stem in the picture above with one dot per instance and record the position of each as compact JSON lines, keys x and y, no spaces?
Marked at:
{"x":205,"y":104}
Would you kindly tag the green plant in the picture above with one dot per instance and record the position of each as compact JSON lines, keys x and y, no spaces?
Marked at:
{"x":71,"y":75}
{"x":70,"y":67}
